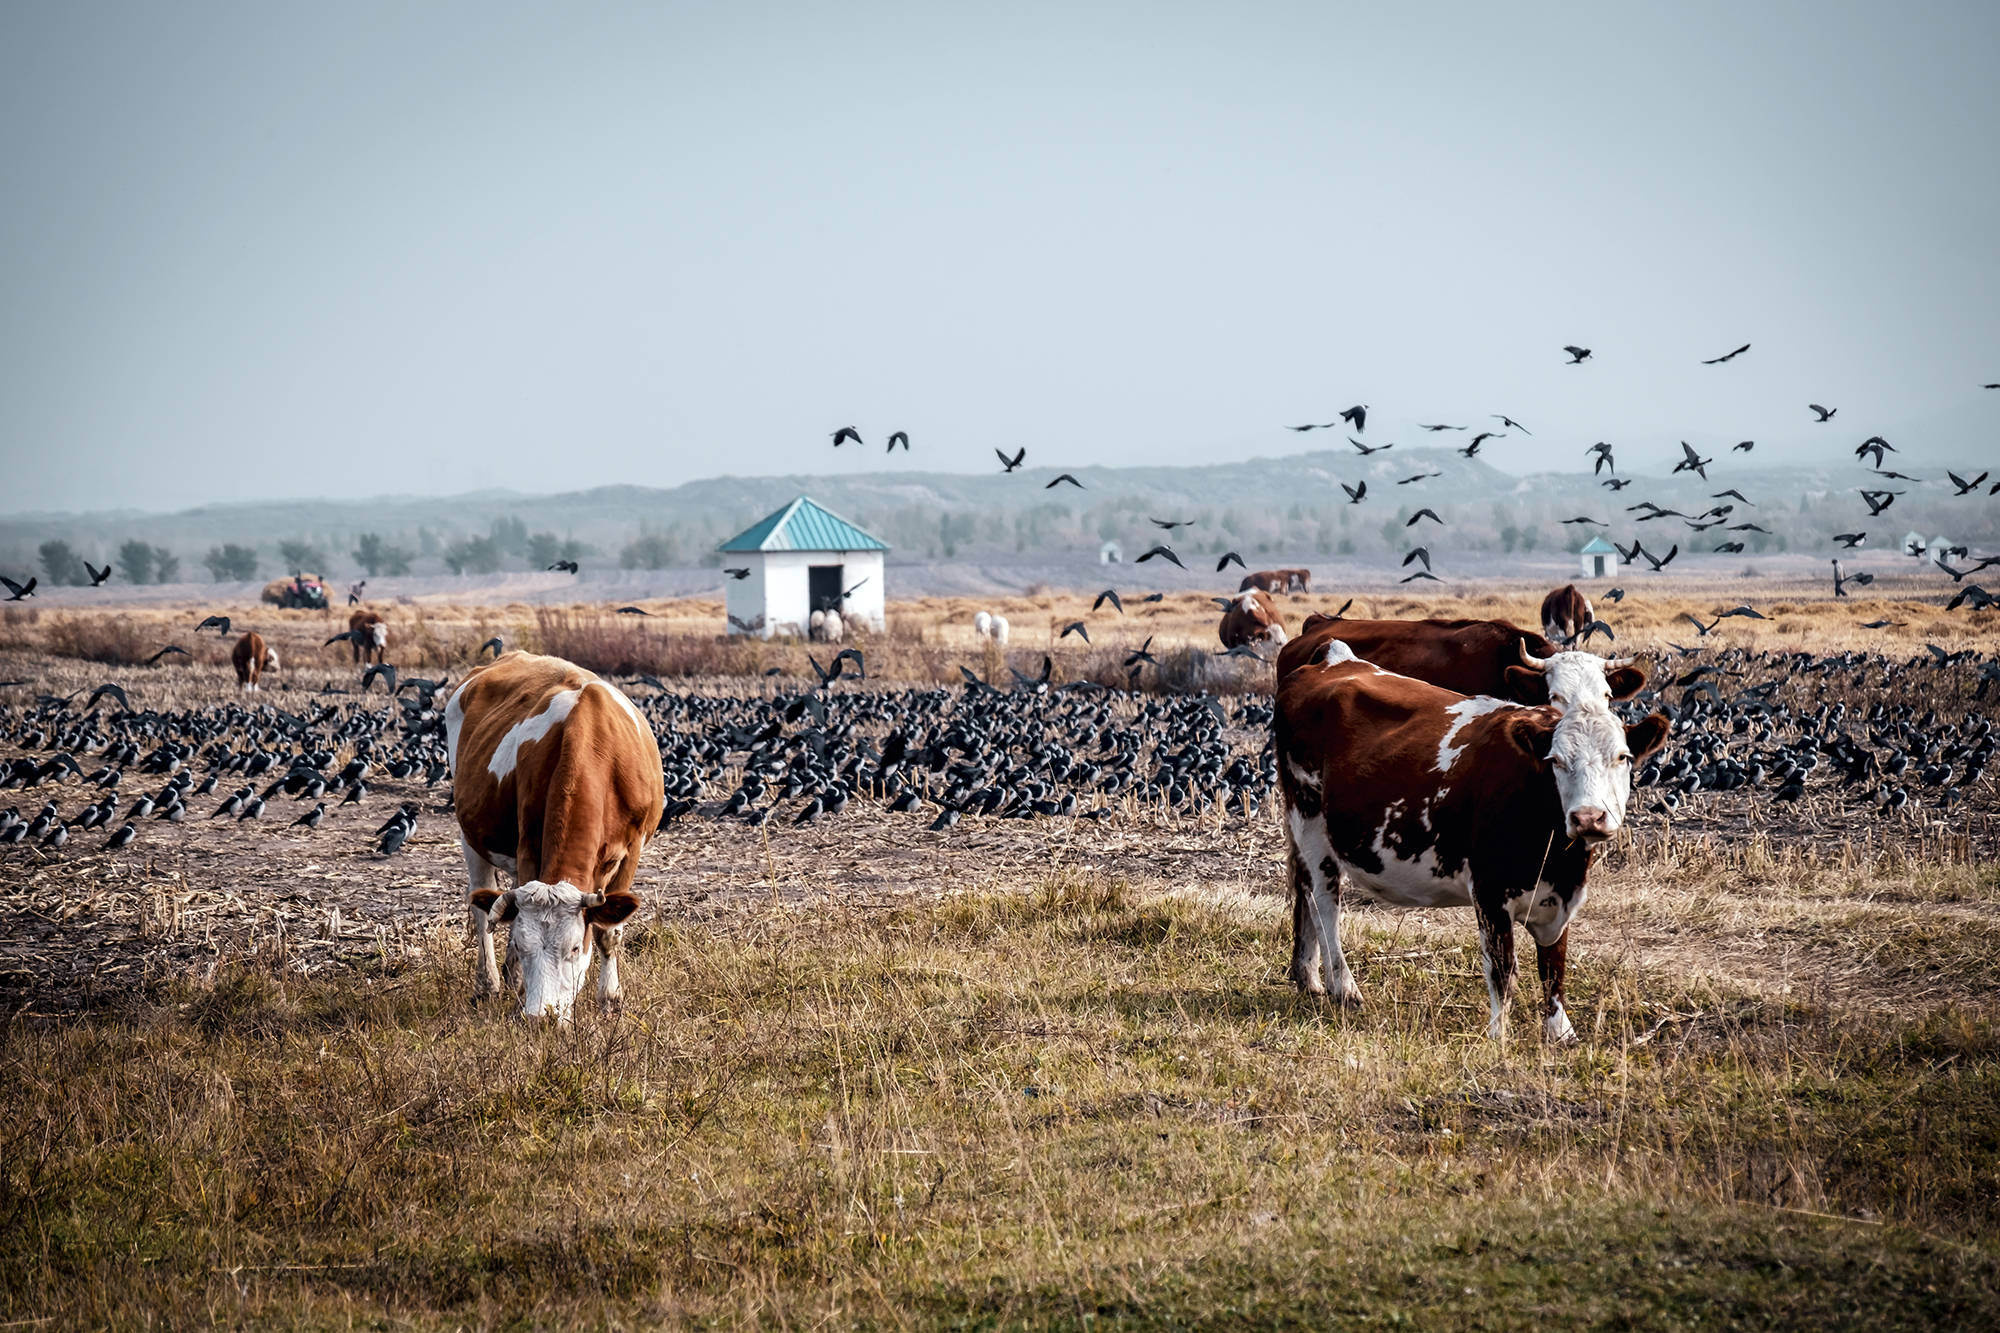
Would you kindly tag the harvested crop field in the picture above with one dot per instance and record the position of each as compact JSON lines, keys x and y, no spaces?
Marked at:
{"x":1037,"y":1070}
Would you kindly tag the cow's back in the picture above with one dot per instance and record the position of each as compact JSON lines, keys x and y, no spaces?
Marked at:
{"x":537,"y":745}
{"x":1468,"y":657}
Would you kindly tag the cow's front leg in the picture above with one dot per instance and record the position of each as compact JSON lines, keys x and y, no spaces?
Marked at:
{"x":1305,"y":929}
{"x":609,"y":943}
{"x":1496,"y":938}
{"x":480,"y":874}
{"x":1552,"y":964}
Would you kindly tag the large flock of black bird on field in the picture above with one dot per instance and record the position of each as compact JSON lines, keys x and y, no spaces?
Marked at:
{"x":1830,"y":735}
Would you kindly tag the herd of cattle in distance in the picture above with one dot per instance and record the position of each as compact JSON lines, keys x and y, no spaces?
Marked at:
{"x":1424,"y":762}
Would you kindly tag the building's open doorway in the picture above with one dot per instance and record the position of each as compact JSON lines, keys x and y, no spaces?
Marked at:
{"x":824,"y":586}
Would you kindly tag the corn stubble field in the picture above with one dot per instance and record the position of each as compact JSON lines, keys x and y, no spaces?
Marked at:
{"x":1040,"y":1072}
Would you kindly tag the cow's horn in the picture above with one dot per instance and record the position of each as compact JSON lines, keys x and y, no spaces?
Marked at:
{"x":593,"y":900}
{"x":1613,"y":663}
{"x":1528,"y":658}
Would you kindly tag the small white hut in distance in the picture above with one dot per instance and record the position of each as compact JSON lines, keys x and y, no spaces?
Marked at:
{"x":802,"y":559}
{"x":1595,"y":560}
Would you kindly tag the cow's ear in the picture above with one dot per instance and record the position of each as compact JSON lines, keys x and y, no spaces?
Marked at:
{"x":499,"y":907}
{"x":1647,"y":735}
{"x":1625,"y":681}
{"x":1527,"y":685}
{"x":1532,"y":734}
{"x":613,"y":910}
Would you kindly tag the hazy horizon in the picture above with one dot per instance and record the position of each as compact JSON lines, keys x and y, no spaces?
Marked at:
{"x":255,"y":253}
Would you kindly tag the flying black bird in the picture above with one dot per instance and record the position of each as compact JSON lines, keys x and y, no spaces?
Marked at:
{"x":1972,"y":593}
{"x":1228,"y":556}
{"x":1825,"y":413}
{"x":1421,"y":476}
{"x":737,"y":573}
{"x":1171,"y":525}
{"x":632,"y":611}
{"x":1615,"y":484}
{"x":1577,"y":355}
{"x":1367,"y":449}
{"x":1355,"y":494}
{"x":170,"y":648}
{"x":1583,"y":636}
{"x":844,"y":434}
{"x":1420,"y":574}
{"x":1743,"y":446}
{"x":1747,"y":612}
{"x":1728,"y":356}
{"x":566,"y":567}
{"x":1874,"y":444}
{"x":1585,"y":518}
{"x":1734,"y":494}
{"x":1615,"y":595}
{"x":1422,"y":426}
{"x":1109,"y":595}
{"x":1357,"y":417}
{"x":114,"y":691}
{"x":97,"y":576}
{"x":1153,"y":597}
{"x":1661,"y":562}
{"x":1877,"y":501}
{"x":1141,"y":653}
{"x":1062,"y":477}
{"x":1430,"y":514}
{"x":19,"y":590}
{"x":1604,"y":458}
{"x":1161,"y":550}
{"x":1422,"y":553}
{"x":1471,"y":450}
{"x":1510,"y":423}
{"x":382,"y":669}
{"x":1075,"y":627}
{"x":1850,"y":540}
{"x":901,"y":437}
{"x":1009,"y":464}
{"x":220,"y":624}
{"x":1692,"y":461}
{"x":495,"y":644}
{"x":1965,"y":487}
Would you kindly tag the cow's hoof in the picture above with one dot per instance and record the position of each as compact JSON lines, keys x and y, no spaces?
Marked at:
{"x":1557,"y":1031}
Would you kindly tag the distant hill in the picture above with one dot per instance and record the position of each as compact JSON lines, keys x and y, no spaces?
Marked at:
{"x":1291,"y":503}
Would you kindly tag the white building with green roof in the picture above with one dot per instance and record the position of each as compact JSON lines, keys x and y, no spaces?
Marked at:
{"x":798,"y":560}
{"x":1598,"y":559}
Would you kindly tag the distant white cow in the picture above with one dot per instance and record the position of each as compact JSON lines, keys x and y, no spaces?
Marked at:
{"x":827,"y":627}
{"x":989,"y":626}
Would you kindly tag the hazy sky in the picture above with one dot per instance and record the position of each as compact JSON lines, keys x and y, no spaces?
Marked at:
{"x":354,"y":249}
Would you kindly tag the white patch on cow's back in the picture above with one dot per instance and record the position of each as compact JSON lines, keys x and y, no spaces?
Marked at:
{"x":454,"y":723}
{"x":1337,"y":652}
{"x":1462,"y":713}
{"x":631,"y":709}
{"x":529,"y":730}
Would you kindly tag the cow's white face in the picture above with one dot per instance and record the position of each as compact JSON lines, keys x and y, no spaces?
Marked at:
{"x":270,"y":659}
{"x":550,"y":944}
{"x":1589,"y":754}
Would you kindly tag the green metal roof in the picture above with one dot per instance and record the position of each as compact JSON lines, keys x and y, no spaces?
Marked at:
{"x":1598,"y":546}
{"x":803,"y":526}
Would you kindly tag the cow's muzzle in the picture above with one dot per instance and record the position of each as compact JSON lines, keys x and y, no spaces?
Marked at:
{"x":1591,"y":824}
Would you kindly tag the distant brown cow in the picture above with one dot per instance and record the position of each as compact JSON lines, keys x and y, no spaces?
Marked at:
{"x":252,"y":659}
{"x":1278,"y":580}
{"x":1564,"y":613}
{"x":1470,"y":657}
{"x":368,"y":636}
{"x":1251,"y":617}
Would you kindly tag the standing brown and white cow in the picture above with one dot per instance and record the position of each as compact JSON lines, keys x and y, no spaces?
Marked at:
{"x":252,"y":659}
{"x":368,"y":635}
{"x":556,"y":779}
{"x":1466,"y":656}
{"x":1564,"y":613}
{"x":1250,"y":617}
{"x":1278,"y":580}
{"x":1424,"y":797}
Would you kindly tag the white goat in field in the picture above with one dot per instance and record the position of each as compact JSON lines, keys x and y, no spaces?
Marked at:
{"x":993,"y":627}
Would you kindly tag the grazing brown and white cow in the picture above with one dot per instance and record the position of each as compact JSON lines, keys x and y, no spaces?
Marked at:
{"x":1564,"y":613}
{"x":368,"y":636}
{"x":252,"y":659}
{"x":556,"y":779}
{"x":1469,"y":656}
{"x":1424,"y":797}
{"x":1251,"y":617}
{"x":1278,"y":580}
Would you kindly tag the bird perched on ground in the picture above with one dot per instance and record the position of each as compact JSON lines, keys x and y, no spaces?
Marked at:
{"x":1825,"y":413}
{"x":844,"y":434}
{"x":1357,"y":417}
{"x":1062,"y":477}
{"x":1009,"y":464}
{"x":901,"y":437}
{"x":1727,"y":356}
{"x":1228,"y":556}
{"x":311,"y":818}
{"x":19,"y":590}
{"x":220,"y":624}
{"x":1577,"y":355}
